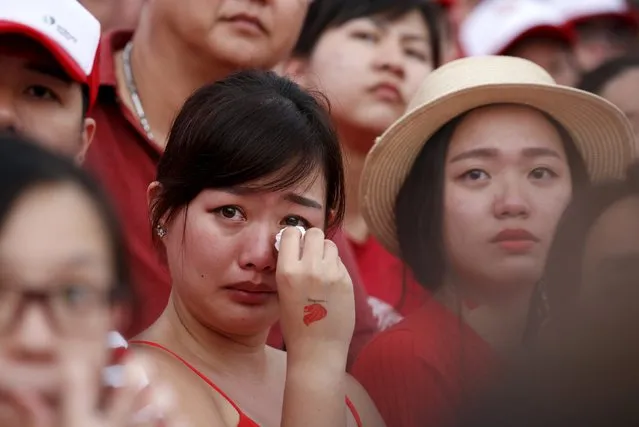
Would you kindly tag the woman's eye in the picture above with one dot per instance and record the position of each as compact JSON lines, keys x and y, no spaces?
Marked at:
{"x":475,"y":175}
{"x":542,"y":173}
{"x":229,"y":212}
{"x":421,"y":56}
{"x":76,"y":295}
{"x":365,"y":35}
{"x":294,"y":221}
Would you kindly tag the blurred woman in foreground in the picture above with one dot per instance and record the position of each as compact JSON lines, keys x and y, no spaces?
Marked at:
{"x":581,"y":370}
{"x":63,"y":287}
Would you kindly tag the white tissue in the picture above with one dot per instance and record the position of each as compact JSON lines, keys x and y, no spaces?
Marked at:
{"x":278,"y":237}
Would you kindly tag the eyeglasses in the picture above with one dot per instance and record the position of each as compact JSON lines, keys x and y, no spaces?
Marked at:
{"x":73,"y":309}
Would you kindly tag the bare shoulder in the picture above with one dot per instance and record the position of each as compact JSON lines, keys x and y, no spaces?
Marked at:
{"x":363,"y":403}
{"x":198,"y":403}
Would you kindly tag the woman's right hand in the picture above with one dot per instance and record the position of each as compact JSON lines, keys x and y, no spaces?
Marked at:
{"x":132,"y":404}
{"x":316,"y":297}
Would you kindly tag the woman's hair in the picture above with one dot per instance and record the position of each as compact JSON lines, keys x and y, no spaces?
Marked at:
{"x":564,"y":263}
{"x":326,"y":14}
{"x":251,"y":126}
{"x":419,"y":207}
{"x":595,"y":81}
{"x":25,"y":166}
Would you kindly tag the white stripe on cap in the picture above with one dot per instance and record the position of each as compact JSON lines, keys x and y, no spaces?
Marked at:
{"x":66,"y":22}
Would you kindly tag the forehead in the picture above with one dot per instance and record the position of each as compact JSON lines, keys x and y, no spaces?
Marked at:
{"x":27,"y":50}
{"x":312,"y":186}
{"x":49,"y":225}
{"x":505,"y":128}
{"x":620,"y":85}
{"x":412,"y":21}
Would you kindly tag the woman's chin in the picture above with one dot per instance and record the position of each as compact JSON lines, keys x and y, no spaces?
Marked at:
{"x":250,"y":324}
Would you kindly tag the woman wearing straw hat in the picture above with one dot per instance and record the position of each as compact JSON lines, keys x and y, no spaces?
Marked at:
{"x":467,"y":188}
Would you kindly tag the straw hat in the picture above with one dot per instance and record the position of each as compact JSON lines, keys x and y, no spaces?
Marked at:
{"x":601,"y":132}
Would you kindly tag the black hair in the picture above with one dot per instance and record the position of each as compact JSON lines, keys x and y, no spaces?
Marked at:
{"x":595,"y":81}
{"x":24,"y":165}
{"x":419,"y":203}
{"x":325,"y":14}
{"x":249,"y":126}
{"x":85,"y":101}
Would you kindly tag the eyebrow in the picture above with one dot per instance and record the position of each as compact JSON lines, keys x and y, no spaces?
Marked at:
{"x":382,"y":24}
{"x":302,"y":201}
{"x":50,"y":70}
{"x":290,"y":197}
{"x":491,"y":153}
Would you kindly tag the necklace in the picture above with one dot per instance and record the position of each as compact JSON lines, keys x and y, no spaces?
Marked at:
{"x":133,"y":91}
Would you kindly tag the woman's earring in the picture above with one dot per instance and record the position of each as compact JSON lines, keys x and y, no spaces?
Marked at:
{"x":160,"y":231}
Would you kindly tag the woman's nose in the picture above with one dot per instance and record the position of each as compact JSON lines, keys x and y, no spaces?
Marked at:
{"x":258,"y":249}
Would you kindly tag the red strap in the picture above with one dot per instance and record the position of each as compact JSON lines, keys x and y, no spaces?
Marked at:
{"x":350,"y":405}
{"x":244,"y":420}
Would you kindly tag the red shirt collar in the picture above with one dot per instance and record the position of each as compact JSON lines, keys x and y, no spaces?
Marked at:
{"x":112,"y":42}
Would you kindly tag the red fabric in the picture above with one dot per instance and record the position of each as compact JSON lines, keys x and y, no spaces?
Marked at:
{"x":383,"y":277}
{"x":245,"y":421}
{"x":420,"y":372}
{"x":125,"y":162}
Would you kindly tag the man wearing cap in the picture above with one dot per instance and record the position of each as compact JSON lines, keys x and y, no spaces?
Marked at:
{"x":605,"y":29}
{"x":529,"y":29}
{"x":178,"y":47}
{"x":48,"y":72}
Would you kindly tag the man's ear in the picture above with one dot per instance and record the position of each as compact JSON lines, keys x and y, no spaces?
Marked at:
{"x":88,"y":131}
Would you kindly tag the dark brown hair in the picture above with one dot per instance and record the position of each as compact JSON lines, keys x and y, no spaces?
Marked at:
{"x":326,"y":14}
{"x":253,"y":125}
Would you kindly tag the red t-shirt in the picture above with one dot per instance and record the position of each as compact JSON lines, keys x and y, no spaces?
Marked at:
{"x":387,"y":278}
{"x":125,"y":161}
{"x":420,"y":371}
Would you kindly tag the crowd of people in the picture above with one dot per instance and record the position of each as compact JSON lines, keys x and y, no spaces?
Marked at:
{"x":402,"y":213}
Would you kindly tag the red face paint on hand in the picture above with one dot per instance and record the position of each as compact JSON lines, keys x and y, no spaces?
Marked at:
{"x":314,"y":313}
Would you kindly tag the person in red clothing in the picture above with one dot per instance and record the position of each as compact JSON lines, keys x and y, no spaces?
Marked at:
{"x":529,"y":29}
{"x":249,"y":157}
{"x":63,"y":286}
{"x":48,"y":82}
{"x":469,"y":187}
{"x":369,"y":58}
{"x":145,"y":77}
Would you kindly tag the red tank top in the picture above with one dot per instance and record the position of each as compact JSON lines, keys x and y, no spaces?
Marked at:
{"x":245,"y":421}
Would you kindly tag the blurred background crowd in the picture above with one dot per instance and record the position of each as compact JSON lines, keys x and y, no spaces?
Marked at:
{"x":453,"y":186}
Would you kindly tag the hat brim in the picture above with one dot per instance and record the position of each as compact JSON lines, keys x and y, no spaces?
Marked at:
{"x":68,"y":64}
{"x":599,"y":130}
